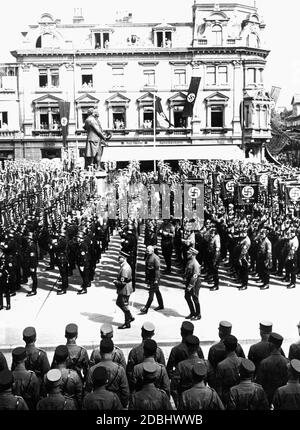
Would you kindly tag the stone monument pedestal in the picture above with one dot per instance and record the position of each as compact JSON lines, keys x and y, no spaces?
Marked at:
{"x":101,"y":184}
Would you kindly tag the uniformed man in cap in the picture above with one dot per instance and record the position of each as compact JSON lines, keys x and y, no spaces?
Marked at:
{"x":192,"y":285}
{"x":26,"y":383}
{"x":180,"y":352}
{"x":264,"y":259}
{"x":124,"y":289}
{"x":100,"y":398}
{"x":83,"y":261}
{"x":106,"y":331}
{"x":291,"y":259}
{"x":294,"y":351}
{"x":71,"y":383}
{"x":261,"y":350}
{"x":152,"y":266}
{"x":182,"y":378}
{"x":272,"y":372}
{"x":8,"y":401}
{"x":214,"y":248}
{"x":149,"y":398}
{"x":37,"y":359}
{"x":200,"y":396}
{"x":288,"y":396}
{"x":4,"y":285}
{"x":78,"y":359}
{"x":161,"y":381}
{"x":227,"y":371}
{"x":61,"y":255}
{"x":55,"y":400}
{"x":217,"y":352}
{"x":117,"y":381}
{"x":136,"y":354}
{"x":167,"y":232}
{"x":247,"y":395}
{"x":32,"y":262}
{"x":129,"y":248}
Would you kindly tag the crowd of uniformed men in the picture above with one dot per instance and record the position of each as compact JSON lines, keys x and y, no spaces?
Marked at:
{"x":146,"y":381}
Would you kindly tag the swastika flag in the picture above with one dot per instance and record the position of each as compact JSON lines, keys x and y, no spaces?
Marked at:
{"x":191,"y":97}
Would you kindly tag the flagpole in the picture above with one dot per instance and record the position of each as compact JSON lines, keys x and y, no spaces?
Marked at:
{"x":154,"y":132}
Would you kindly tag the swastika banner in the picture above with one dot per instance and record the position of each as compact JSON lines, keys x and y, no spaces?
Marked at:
{"x":194,"y":200}
{"x":247,"y":193}
{"x":292,"y":193}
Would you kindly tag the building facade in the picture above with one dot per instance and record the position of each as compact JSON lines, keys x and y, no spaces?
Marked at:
{"x":120,"y":67}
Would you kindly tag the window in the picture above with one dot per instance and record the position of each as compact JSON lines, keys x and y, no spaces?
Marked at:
{"x":47,"y":76}
{"x":43,"y":78}
{"x":211,"y":76}
{"x":252,"y":40}
{"x":48,"y":119}
{"x":180,"y":77}
{"x":216,"y":75}
{"x":118,"y":114}
{"x":217,"y":116}
{"x":149,"y":78}
{"x":3,"y":120}
{"x":217,"y":35}
{"x":179,"y":120}
{"x":101,"y":40}
{"x":251,"y":76}
{"x":148,"y":117}
{"x":163,"y":39}
{"x":87,"y":78}
{"x":51,"y":153}
{"x":118,"y":77}
{"x":222,"y":75}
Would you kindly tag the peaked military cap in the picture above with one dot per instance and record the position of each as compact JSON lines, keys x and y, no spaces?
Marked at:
{"x":148,"y":326}
{"x":6,"y":379}
{"x":61,"y":353}
{"x":106,"y":346}
{"x":150,"y":346}
{"x":106,"y":330}
{"x":192,"y":340}
{"x":19,"y":353}
{"x":266,"y":326}
{"x":295,"y":365}
{"x":225,"y":326}
{"x":199,"y":369}
{"x":149,"y":369}
{"x":29,"y":334}
{"x":53,"y":377}
{"x":187,"y":326}
{"x":99,"y":376}
{"x":71,"y":330}
{"x":247,"y":366}
{"x":276,"y":339}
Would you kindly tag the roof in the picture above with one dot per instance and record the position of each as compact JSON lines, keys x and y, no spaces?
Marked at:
{"x":296,"y":99}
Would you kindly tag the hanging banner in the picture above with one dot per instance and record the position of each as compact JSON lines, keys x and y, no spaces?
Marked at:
{"x":64,"y":112}
{"x":194,"y":200}
{"x":292,"y":193}
{"x":247,"y":193}
{"x":227,"y":188}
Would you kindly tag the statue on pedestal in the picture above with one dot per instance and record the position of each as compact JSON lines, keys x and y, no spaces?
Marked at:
{"x":96,"y":139}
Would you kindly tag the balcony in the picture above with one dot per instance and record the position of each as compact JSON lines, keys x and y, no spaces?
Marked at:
{"x":179,"y":131}
{"x":46,"y":133}
{"x":8,"y":134}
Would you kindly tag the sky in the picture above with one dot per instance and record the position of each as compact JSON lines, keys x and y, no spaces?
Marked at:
{"x":281,"y":32}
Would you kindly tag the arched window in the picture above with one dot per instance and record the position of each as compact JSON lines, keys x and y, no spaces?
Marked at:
{"x":252,"y":40}
{"x":39,"y":42}
{"x":217,"y":35}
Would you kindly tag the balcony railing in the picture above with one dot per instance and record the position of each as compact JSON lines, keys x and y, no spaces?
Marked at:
{"x":46,"y":132}
{"x":8,"y":133}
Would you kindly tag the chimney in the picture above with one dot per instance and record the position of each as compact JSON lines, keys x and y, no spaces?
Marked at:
{"x":77,"y":17}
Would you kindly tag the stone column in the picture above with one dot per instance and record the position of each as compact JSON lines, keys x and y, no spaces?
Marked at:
{"x":237,"y":96}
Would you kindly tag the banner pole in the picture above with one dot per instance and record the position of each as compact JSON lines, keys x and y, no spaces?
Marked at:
{"x":154,"y":133}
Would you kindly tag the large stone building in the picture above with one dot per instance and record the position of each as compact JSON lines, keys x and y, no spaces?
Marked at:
{"x":118,"y":67}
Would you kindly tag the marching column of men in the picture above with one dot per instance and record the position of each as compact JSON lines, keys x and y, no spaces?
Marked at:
{"x":105,"y":381}
{"x":74,"y":241}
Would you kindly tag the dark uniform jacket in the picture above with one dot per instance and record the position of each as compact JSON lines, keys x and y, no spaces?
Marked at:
{"x":37,"y":360}
{"x":247,"y":395}
{"x":124,"y":280}
{"x":26,"y":385}
{"x":200,"y":397}
{"x":287,"y":397}
{"x":78,"y":359}
{"x":152,"y":269}
{"x":183,"y":377}
{"x":227,"y":375}
{"x":136,"y":356}
{"x":55,"y":402}
{"x":259,"y":352}
{"x":217,"y":353}
{"x":71,"y":385}
{"x":102,"y":400}
{"x":150,"y":398}
{"x":192,"y":274}
{"x":9,"y":402}
{"x":117,"y":381}
{"x":3,"y":362}
{"x":161,"y":377}
{"x":179,"y":353}
{"x":272,"y":373}
{"x":117,"y":357}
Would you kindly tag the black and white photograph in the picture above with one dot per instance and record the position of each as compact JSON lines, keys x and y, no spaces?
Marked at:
{"x":149,"y":209}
